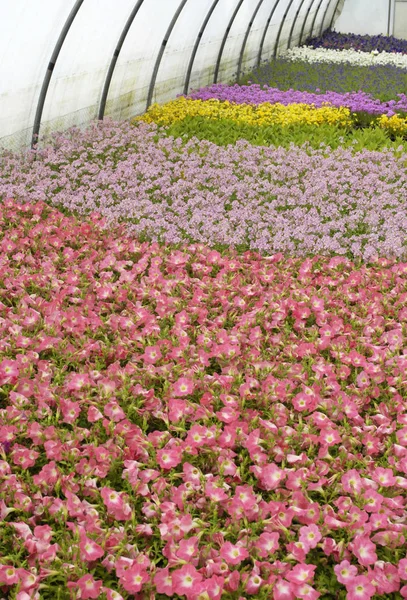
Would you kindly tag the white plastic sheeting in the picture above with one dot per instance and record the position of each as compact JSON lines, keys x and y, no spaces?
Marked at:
{"x":400,"y":19}
{"x":372,"y":17}
{"x":53,"y":68}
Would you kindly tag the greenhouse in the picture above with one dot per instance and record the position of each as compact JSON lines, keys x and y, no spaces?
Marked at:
{"x":203,"y":299}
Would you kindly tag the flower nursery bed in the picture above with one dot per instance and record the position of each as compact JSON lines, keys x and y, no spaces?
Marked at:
{"x":384,"y":82}
{"x":278,"y":114}
{"x":296,"y":200}
{"x":203,"y":348}
{"x":365,"y":43}
{"x":189,"y":423}
{"x":350,"y":56}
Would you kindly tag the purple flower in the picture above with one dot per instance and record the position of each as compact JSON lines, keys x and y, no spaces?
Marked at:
{"x":254,"y":94}
{"x":6,"y":446}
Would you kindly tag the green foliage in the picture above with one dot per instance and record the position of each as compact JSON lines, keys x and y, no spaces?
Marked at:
{"x":224,"y":132}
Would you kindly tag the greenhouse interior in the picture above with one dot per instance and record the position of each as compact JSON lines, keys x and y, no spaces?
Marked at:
{"x":203,"y":299}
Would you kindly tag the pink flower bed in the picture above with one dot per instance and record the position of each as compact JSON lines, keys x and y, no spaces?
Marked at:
{"x":176,"y":422}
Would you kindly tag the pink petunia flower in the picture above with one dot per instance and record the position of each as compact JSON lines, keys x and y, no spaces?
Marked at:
{"x":8,"y":575}
{"x":183,"y":387}
{"x":253,"y":584}
{"x":232,"y":554}
{"x":402,"y":569}
{"x":89,"y":587}
{"x":163,"y":581}
{"x":364,"y":550}
{"x":168,"y":458}
{"x":360,"y":588}
{"x":89,"y":549}
{"x":267,"y":544}
{"x":352,"y":482}
{"x":134,"y":578}
{"x":270,"y":476}
{"x":306,"y":592}
{"x":345,"y":572}
{"x":185,"y":580}
{"x":188,"y":548}
{"x":310,"y":535}
{"x":384,"y":477}
{"x":283,"y":590}
{"x":301,"y":573}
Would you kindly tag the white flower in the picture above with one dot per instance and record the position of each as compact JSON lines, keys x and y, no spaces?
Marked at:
{"x":353,"y":57}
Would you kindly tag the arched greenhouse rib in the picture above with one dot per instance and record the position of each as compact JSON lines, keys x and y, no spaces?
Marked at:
{"x":135,"y":52}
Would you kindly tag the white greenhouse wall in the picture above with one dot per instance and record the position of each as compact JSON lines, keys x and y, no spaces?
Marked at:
{"x":29,"y":32}
{"x":365,"y":17}
{"x":400,"y":19}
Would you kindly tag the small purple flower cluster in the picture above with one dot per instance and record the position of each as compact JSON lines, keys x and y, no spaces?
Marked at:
{"x":256,"y":94}
{"x":366,"y":43}
{"x":297,"y":200}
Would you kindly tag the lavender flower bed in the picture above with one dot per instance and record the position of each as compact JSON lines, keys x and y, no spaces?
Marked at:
{"x":255,"y":94}
{"x":298,"y":201}
{"x":380,"y":81}
{"x":366,"y":43}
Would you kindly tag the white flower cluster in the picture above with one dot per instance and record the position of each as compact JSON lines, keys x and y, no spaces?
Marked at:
{"x":354,"y":57}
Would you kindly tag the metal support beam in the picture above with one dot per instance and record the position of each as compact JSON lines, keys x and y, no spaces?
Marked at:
{"x":263,"y":37}
{"x":304,"y":22}
{"x":161,"y":52}
{"x":315,"y":18}
{"x":311,"y":4}
{"x":280,"y":29}
{"x":239,"y":68}
{"x":196,"y":46}
{"x":225,"y":37}
{"x":297,"y":12}
{"x":333,"y":16}
{"x":321,"y":29}
{"x":112,"y":66}
{"x":50,"y":69}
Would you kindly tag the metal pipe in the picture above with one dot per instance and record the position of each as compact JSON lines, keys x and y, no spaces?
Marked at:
{"x":294,"y":23}
{"x":315,"y":17}
{"x":388,"y":18}
{"x":280,"y":29}
{"x":324,"y":17}
{"x":161,"y":52}
{"x":263,"y":37}
{"x":239,"y":67}
{"x":112,"y":66}
{"x":225,"y":37}
{"x":311,"y":4}
{"x":50,"y":69}
{"x":334,"y":13}
{"x":196,"y":46}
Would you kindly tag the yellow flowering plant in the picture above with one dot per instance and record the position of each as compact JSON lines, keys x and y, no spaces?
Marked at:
{"x":249,"y":114}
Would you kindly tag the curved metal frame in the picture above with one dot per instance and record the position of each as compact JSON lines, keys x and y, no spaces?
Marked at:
{"x":50,"y":69}
{"x":225,"y":37}
{"x":280,"y":29}
{"x":112,"y":66}
{"x":263,"y":37}
{"x":311,"y":4}
{"x":246,"y":37}
{"x":389,"y":18}
{"x":315,"y":17}
{"x":196,"y":45}
{"x":324,"y":17}
{"x":161,"y":52}
{"x":294,"y":23}
{"x":334,"y":13}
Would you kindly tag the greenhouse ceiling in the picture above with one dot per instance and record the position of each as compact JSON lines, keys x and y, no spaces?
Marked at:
{"x":68,"y":63}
